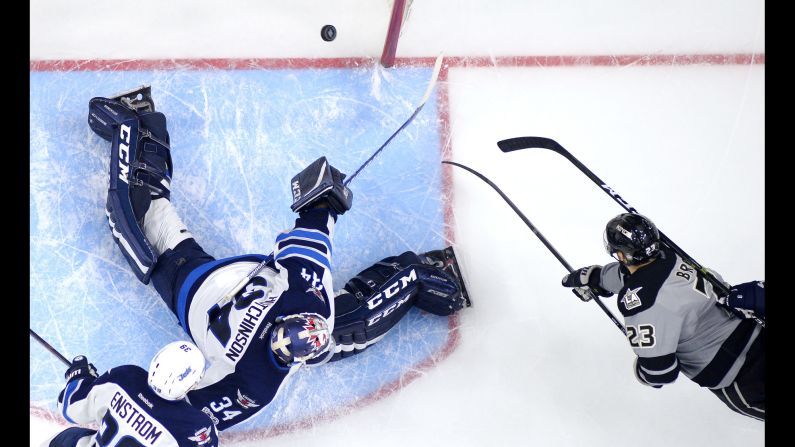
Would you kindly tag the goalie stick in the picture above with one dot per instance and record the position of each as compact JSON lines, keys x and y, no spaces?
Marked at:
{"x":437,"y":67}
{"x":594,"y":296}
{"x":518,"y":143}
{"x":49,"y":348}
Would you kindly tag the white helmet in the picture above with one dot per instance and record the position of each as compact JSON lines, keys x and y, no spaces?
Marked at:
{"x":176,"y":369}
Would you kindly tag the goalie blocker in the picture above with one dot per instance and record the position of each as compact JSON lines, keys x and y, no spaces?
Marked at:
{"x":140,"y":169}
{"x":373,"y":302}
{"x":320,"y":183}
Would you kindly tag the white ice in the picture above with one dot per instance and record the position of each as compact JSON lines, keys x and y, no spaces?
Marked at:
{"x":683,"y":144}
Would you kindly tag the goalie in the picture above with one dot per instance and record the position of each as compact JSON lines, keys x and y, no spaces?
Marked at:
{"x":286,"y":315}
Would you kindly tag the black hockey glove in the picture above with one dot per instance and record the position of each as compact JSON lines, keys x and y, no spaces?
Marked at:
{"x":746,"y":300}
{"x":320,"y":184}
{"x":584,"y":281}
{"x":80,"y":369}
{"x":639,"y":375}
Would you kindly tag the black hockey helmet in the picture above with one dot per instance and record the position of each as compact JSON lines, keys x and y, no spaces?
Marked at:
{"x":633,"y":235}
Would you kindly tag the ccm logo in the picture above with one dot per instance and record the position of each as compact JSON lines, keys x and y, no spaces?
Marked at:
{"x":392,"y":290}
{"x":124,"y":153}
{"x":296,"y":191}
{"x":391,"y":308}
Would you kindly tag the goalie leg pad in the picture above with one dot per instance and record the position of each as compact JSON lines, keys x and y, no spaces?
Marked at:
{"x":376,"y":299}
{"x":105,"y":115}
{"x":446,"y":261}
{"x":439,"y":292}
{"x":372,"y":302}
{"x":140,"y":171}
{"x":124,"y":222}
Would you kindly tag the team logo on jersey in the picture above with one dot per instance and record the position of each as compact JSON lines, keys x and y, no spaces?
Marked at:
{"x":631,"y":299}
{"x":202,"y":436}
{"x":245,"y":401}
{"x":185,"y":374}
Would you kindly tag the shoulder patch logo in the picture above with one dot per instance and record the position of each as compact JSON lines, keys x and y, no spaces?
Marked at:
{"x":245,"y":401}
{"x":202,"y":436}
{"x":631,"y":299}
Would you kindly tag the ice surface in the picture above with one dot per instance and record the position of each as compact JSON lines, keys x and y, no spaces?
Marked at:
{"x":665,"y":102}
{"x":237,"y":139}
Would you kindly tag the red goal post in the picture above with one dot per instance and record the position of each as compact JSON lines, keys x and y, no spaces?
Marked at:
{"x":400,"y":10}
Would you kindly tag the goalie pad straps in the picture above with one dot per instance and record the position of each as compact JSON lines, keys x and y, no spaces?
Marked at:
{"x":318,"y":182}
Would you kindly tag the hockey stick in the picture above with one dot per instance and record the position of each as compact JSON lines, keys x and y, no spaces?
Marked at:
{"x":437,"y":67}
{"x":518,"y":143}
{"x":50,"y":348}
{"x":543,"y":240}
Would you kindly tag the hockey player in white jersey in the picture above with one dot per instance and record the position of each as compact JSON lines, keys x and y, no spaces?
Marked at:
{"x":134,"y":408}
{"x":283,"y":317}
{"x":676,"y":322}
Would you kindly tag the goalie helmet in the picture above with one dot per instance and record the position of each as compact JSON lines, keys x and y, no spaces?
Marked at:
{"x":176,"y":369}
{"x":300,"y":337}
{"x":633,"y":235}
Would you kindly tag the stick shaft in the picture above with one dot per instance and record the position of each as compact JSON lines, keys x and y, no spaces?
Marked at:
{"x":543,"y":240}
{"x":49,"y":348}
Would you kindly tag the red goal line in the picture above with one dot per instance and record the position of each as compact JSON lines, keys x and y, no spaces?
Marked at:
{"x":450,"y":62}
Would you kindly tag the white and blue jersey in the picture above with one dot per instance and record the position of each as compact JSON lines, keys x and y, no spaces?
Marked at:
{"x":130,"y":414}
{"x":243,"y":375}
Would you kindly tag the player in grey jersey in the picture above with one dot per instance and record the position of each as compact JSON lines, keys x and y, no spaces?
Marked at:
{"x":675,"y":320}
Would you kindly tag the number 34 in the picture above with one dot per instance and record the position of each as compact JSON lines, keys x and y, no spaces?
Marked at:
{"x":219,"y":407}
{"x":641,"y":336}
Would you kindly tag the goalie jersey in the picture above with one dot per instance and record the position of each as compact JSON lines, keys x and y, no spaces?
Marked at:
{"x":244,"y":375}
{"x":674,"y":325}
{"x":129,"y":413}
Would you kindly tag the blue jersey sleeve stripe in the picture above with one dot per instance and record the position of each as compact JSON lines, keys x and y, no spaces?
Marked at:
{"x":302,"y":243}
{"x":304,"y":253}
{"x":306,"y":234}
{"x":70,"y":389}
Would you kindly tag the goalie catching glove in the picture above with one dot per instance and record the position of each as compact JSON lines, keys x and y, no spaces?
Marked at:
{"x":320,"y":184}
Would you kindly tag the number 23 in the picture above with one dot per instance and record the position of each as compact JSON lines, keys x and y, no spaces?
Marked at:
{"x":641,"y":336}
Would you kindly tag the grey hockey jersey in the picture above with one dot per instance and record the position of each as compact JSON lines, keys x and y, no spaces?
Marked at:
{"x":673,"y":323}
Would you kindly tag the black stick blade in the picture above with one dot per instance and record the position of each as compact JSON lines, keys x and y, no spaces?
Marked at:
{"x":515,"y":144}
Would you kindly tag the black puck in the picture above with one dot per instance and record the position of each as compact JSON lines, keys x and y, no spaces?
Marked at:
{"x":328,"y":33}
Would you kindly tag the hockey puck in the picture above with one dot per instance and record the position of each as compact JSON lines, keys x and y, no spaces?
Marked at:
{"x":328,"y":33}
